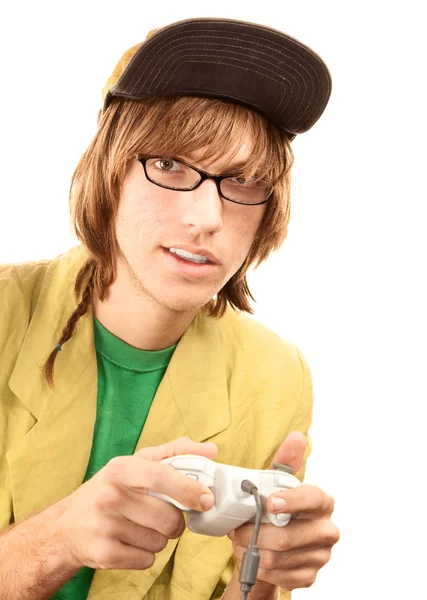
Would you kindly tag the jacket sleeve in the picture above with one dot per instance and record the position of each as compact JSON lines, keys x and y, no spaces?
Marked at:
{"x":19,"y":289}
{"x":301,"y":421}
{"x":302,"y":418}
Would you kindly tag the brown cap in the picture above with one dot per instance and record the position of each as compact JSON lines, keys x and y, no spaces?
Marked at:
{"x":251,"y":64}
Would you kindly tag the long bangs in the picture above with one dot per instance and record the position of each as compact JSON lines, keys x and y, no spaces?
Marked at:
{"x":180,"y":126}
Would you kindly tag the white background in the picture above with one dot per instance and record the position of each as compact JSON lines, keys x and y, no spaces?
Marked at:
{"x":348,"y":286}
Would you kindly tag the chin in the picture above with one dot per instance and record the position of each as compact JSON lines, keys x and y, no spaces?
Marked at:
{"x":184,"y":304}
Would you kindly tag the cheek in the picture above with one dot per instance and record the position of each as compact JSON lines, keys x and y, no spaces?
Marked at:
{"x":138,"y":218}
{"x":243,"y":233}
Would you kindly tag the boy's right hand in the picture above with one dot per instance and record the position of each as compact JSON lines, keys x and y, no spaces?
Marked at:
{"x":110,"y":522}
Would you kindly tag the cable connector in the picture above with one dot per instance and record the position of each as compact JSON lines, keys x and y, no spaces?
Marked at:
{"x":251,"y":558}
{"x":249,"y":569}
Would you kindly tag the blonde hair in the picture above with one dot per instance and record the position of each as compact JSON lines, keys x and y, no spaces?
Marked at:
{"x":170,"y":126}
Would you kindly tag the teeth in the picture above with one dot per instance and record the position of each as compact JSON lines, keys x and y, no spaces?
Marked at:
{"x":197,"y":258}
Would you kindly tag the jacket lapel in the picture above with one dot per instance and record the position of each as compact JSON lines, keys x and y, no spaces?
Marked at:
{"x":50,"y":461}
{"x":192,"y":400}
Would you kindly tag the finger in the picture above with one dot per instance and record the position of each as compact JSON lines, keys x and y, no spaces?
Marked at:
{"x":128,"y":532}
{"x":153,"y":513}
{"x":308,"y":501}
{"x":118,"y":555}
{"x":291,"y":452}
{"x":179,"y":446}
{"x":293,"y":559}
{"x":139,"y":475}
{"x":297,"y":534}
{"x":289,"y":579}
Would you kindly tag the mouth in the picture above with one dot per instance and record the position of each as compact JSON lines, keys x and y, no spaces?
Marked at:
{"x":190,"y":264}
{"x":193,"y":254}
{"x":199,"y":259}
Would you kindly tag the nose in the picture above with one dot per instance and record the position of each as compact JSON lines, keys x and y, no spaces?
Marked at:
{"x":203,"y":208}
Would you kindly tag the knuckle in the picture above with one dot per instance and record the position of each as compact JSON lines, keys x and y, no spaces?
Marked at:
{"x":153,"y":472}
{"x":110,"y":529}
{"x":158,"y":542}
{"x":189,"y":492}
{"x":114,"y":467}
{"x":184,"y":439}
{"x":242,"y":536}
{"x":321,"y":499}
{"x":148,"y":560}
{"x":173,"y":524}
{"x":179,"y":445}
{"x":326,"y":502}
{"x":325,"y":556}
{"x":268,"y":560}
{"x":307,"y":577}
{"x":297,"y":561}
{"x":284,"y":543}
{"x":108,"y":497}
{"x":330,"y":534}
{"x":105,"y":556}
{"x":334,"y":535}
{"x":331,"y":504}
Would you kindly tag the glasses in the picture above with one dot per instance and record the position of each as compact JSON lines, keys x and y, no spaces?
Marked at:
{"x":173,"y":174}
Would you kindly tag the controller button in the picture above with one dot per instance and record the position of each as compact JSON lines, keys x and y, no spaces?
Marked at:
{"x":192,"y":476}
{"x":192,"y":464}
{"x":284,"y":468}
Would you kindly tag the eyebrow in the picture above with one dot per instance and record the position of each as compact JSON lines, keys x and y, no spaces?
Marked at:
{"x":230,"y":169}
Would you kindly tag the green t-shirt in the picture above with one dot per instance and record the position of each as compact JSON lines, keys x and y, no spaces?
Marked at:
{"x":128,"y":379}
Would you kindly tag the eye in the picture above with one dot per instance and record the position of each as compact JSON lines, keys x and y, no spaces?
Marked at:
{"x":167,"y":164}
{"x":240,"y":180}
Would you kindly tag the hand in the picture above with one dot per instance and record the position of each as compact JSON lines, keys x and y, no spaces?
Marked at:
{"x":110,"y":522}
{"x":291,"y":556}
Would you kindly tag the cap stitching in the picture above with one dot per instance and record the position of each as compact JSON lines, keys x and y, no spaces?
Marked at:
{"x":173,"y":40}
{"x":263,"y":73}
{"x":300,"y":87}
{"x":282,"y":55}
{"x":279,"y":109}
{"x":256,"y":42}
{"x":178,"y":56}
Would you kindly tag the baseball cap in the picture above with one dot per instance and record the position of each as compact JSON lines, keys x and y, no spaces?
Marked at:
{"x":251,"y":64}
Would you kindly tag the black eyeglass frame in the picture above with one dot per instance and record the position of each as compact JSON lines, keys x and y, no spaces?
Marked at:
{"x":203,"y":176}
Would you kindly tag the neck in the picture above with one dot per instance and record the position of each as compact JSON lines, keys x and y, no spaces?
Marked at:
{"x":138,"y":319}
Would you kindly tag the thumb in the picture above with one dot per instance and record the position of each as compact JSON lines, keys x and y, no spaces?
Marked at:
{"x":291,"y":451}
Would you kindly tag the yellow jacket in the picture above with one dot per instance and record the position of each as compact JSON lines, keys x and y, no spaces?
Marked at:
{"x":230,"y":381}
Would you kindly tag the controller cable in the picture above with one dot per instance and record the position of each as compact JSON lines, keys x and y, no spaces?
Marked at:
{"x":250,"y":562}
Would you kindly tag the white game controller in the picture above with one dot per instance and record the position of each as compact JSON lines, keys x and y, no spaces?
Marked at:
{"x":233,"y":507}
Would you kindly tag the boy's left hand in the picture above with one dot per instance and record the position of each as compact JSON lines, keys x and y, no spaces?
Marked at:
{"x":291,"y":556}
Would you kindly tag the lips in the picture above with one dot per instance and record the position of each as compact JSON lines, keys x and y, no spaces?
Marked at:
{"x":198,"y":250}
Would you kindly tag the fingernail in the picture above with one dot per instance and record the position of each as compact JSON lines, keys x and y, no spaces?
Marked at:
{"x":207,"y":501}
{"x":282,"y":516}
{"x":278,"y":503}
{"x":231,"y":534}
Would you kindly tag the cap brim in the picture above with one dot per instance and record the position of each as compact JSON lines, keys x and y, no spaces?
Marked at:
{"x":251,"y":64}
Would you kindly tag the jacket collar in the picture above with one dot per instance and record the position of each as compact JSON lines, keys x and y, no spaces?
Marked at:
{"x":50,"y":461}
{"x":198,"y":353}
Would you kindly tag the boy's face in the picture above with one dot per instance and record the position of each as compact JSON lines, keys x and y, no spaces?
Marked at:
{"x":151,"y":220}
